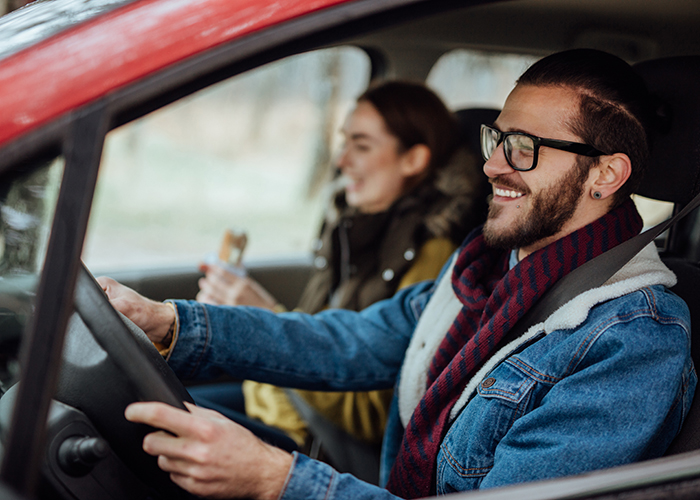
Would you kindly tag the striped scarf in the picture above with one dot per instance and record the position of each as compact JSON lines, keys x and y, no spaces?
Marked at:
{"x":494,"y":299}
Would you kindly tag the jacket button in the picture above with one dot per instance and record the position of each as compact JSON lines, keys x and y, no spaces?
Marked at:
{"x":320,"y":262}
{"x":488,"y":382}
{"x":318,"y":244}
{"x":388,"y":274}
{"x":409,"y":254}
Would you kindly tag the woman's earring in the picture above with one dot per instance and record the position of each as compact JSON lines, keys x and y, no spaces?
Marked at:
{"x":597,"y":195}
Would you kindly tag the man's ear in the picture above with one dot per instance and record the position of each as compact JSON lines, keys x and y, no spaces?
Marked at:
{"x":415,"y":161}
{"x":610,"y":174}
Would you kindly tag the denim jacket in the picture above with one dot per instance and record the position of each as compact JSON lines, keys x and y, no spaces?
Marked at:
{"x":606,"y":380}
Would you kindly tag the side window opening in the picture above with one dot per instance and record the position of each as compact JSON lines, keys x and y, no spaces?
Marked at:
{"x":476,"y":79}
{"x":250,"y":153}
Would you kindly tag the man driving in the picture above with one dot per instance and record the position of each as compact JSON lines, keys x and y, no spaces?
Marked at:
{"x":605,"y":380}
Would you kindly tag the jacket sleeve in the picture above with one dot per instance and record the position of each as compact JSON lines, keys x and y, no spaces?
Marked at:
{"x":332,"y":350}
{"x":311,"y":479}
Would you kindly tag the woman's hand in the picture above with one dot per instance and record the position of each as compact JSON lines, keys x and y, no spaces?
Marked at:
{"x":210,"y":455}
{"x":221,"y":287}
{"x":154,"y":318}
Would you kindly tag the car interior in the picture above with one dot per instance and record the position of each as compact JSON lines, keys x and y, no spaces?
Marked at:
{"x":659,"y":38}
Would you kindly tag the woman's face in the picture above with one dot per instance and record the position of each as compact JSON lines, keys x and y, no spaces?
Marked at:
{"x":374,"y":170}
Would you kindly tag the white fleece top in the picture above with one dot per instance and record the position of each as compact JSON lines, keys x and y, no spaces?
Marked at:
{"x":645,"y":269}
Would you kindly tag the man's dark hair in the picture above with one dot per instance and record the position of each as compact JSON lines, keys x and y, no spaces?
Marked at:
{"x":615,"y":113}
{"x":415,"y":115}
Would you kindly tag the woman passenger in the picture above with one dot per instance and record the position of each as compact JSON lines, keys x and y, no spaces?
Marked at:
{"x":408,"y":195}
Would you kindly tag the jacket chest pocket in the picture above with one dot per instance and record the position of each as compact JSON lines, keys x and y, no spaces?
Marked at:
{"x":467,"y":451}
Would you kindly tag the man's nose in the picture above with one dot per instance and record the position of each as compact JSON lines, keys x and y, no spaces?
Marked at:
{"x":497,"y":164}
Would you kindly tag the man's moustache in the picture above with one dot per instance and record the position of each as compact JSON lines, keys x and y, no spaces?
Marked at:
{"x":508,"y":183}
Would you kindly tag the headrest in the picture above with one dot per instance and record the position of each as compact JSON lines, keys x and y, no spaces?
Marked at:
{"x":674,"y":171}
{"x":470,"y":121}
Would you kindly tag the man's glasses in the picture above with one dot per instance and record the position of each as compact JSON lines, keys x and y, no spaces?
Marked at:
{"x":522,"y":149}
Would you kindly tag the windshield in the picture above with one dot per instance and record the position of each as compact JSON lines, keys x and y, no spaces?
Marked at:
{"x":27,"y":204}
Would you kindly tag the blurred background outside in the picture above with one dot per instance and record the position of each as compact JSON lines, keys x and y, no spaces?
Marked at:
{"x":252,"y":153}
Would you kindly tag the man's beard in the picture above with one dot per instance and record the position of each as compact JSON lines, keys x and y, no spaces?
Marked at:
{"x":551,"y":209}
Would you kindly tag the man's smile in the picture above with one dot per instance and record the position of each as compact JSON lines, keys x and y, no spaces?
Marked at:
{"x":504,"y":187}
{"x":507,"y":193}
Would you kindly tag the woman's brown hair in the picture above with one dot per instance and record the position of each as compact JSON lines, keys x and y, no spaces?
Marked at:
{"x":415,"y":115}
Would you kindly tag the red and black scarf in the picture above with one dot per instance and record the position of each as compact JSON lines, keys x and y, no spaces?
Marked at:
{"x":494,"y":299}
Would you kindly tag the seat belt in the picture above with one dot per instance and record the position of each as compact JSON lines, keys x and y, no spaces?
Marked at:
{"x":592,"y":274}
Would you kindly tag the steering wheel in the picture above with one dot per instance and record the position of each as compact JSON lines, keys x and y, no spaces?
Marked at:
{"x":108,"y":363}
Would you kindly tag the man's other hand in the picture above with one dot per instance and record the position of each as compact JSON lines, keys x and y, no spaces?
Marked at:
{"x":154,"y":318}
{"x":210,"y":455}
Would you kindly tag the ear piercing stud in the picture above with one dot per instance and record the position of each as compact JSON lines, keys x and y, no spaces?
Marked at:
{"x":597,"y":195}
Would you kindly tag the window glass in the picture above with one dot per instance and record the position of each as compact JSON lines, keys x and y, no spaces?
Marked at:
{"x":250,"y":153}
{"x":472,"y":79}
{"x":27,"y":204}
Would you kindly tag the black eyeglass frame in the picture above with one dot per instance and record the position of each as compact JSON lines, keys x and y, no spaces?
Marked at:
{"x":568,"y":146}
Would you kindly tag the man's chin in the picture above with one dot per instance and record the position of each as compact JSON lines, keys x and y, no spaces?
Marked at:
{"x":496,"y":232}
{"x":498,"y":241}
{"x":496,"y":237}
{"x":504,"y":237}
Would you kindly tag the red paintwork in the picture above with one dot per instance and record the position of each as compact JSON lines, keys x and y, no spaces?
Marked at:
{"x":86,"y":62}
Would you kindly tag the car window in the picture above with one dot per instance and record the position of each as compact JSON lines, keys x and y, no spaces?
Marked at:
{"x":471,"y":79}
{"x":27,"y":204}
{"x":251,"y":153}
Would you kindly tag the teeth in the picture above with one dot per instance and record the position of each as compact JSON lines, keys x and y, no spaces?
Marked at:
{"x":507,"y":193}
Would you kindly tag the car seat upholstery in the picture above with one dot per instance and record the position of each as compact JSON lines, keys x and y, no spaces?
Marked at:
{"x":674,"y":175}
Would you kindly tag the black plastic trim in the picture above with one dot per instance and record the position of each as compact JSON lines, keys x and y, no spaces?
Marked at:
{"x":47,"y":140}
{"x":378,"y":63}
{"x":43,"y":343}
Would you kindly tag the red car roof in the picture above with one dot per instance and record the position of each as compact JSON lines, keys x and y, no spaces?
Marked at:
{"x":92,"y":59}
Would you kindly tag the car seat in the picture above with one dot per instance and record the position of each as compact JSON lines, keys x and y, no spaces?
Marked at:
{"x":674,"y":176}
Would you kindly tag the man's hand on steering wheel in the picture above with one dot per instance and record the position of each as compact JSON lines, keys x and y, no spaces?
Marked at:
{"x":154,"y":318}
{"x":209,"y":455}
